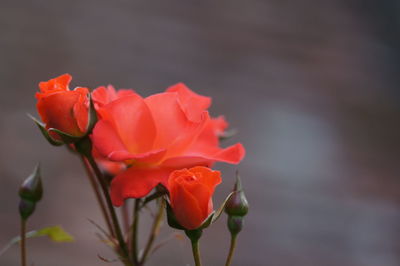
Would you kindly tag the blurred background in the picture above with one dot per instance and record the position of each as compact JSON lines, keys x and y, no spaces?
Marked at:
{"x":311,"y":86}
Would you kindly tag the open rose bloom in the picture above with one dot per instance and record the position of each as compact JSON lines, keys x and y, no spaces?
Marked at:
{"x":138,"y":143}
{"x":156,"y":135}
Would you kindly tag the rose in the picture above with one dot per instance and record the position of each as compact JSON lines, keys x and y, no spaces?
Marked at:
{"x":61,"y":108}
{"x":102,"y":96}
{"x":190,"y":193}
{"x":157,"y":135}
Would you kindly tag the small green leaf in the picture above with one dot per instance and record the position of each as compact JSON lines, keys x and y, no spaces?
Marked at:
{"x":44,"y":131}
{"x":55,"y":233}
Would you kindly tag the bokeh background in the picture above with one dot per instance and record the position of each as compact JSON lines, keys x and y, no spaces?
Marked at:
{"x":311,"y":86}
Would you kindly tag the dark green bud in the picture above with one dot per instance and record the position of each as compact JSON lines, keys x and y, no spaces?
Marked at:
{"x":26,"y":208}
{"x":235,"y":224}
{"x":31,"y":189}
{"x":237,"y":204}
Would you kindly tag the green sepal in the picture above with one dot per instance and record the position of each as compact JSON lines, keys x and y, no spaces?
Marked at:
{"x":171,"y":219}
{"x":26,"y":208}
{"x":221,"y":208}
{"x":92,"y":116}
{"x":207,"y":222}
{"x":44,"y":131}
{"x":173,"y":222}
{"x":32,"y":189}
{"x":194,"y":235}
{"x":67,"y":138}
{"x":235,"y":224}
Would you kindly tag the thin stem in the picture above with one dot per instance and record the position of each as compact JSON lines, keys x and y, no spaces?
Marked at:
{"x":154,"y":231}
{"x":134,"y":236}
{"x":231,"y":250}
{"x":99,"y":198}
{"x":125,"y":217}
{"x":114,"y":218}
{"x":23,"y":242}
{"x":196,"y":252}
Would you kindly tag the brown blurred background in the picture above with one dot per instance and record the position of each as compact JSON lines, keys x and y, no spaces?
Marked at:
{"x":312,"y":87}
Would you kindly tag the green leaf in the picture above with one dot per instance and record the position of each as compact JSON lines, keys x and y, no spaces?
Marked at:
{"x":44,"y":131}
{"x":55,"y":233}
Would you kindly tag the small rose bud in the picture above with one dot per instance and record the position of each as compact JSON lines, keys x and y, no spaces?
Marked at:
{"x":31,"y":189}
{"x":237,"y":204}
{"x":236,"y":207}
{"x":30,"y":192}
{"x":61,"y":109}
{"x":190,"y":193}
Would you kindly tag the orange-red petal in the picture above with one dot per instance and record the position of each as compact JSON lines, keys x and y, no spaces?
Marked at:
{"x":192,"y":103}
{"x":136,"y":183}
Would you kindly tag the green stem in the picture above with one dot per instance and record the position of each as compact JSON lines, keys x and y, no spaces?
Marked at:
{"x":154,"y":231}
{"x":231,"y":250}
{"x":114,"y":219}
{"x":134,"y":236}
{"x":196,"y":252}
{"x":99,"y":198}
{"x":23,"y":242}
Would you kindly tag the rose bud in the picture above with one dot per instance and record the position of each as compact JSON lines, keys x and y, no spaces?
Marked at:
{"x":190,"y":192}
{"x":237,"y":204}
{"x":236,"y":207}
{"x":31,"y":189}
{"x":30,"y":192}
{"x":63,"y":109}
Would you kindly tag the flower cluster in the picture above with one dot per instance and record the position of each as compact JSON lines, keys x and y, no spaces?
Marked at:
{"x":166,"y":139}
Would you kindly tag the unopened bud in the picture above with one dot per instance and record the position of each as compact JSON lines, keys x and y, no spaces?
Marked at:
{"x":31,"y":189}
{"x":237,"y":204}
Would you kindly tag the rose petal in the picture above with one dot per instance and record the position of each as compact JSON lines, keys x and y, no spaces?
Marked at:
{"x":136,"y":183}
{"x":132,"y":121}
{"x":187,"y":210}
{"x":192,"y":103}
{"x":56,"y":111}
{"x":233,"y":154}
{"x":174,"y":129}
{"x":105,"y":139}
